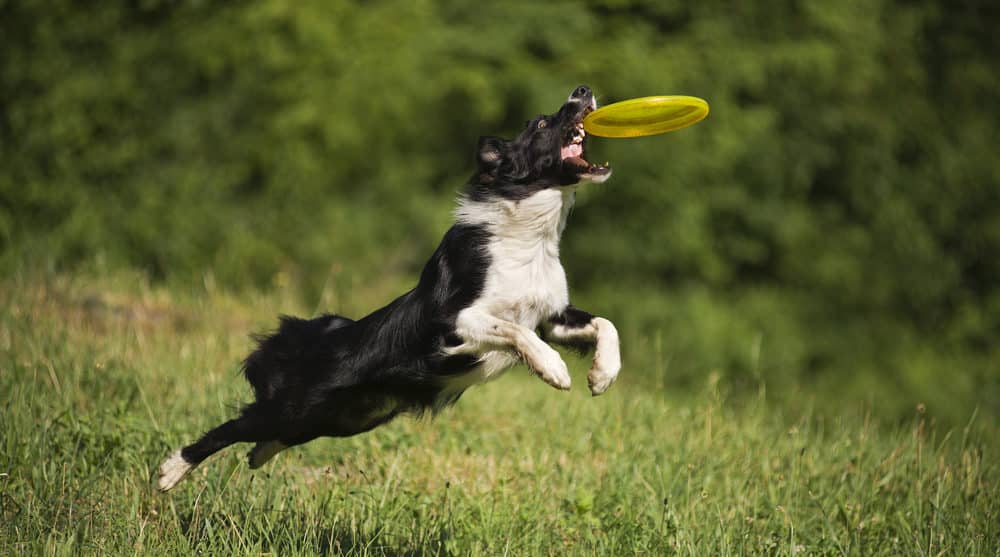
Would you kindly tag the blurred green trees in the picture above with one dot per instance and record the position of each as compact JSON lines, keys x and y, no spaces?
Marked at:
{"x":834,"y":224}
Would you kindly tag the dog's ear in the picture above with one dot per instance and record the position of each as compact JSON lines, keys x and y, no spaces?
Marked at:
{"x":491,"y":152}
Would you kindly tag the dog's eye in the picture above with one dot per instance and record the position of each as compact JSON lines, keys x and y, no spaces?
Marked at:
{"x":542,"y":124}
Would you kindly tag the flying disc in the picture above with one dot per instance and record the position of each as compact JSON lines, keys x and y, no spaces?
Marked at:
{"x":646,"y":116}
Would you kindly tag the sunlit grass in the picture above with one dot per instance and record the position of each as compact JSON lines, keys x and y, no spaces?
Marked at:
{"x":101,"y":378}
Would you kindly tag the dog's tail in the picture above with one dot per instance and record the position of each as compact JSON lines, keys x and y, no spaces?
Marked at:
{"x":282,"y":355}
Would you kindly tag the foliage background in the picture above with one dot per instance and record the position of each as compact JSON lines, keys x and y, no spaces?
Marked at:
{"x":831,"y":232}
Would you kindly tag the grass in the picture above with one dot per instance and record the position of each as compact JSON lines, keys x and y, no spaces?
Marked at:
{"x":100,"y":379}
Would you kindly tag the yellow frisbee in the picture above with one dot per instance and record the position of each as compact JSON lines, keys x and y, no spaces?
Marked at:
{"x":646,"y":116}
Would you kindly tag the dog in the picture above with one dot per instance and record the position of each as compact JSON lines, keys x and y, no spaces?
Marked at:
{"x":491,"y":296}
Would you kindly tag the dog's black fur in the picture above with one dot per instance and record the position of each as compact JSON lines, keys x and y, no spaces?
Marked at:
{"x":332,"y":376}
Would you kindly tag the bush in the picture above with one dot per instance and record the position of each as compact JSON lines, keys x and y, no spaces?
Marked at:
{"x":839,"y":210}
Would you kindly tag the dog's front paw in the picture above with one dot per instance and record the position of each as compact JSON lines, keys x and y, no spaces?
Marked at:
{"x":600,"y":378}
{"x":547,"y":363}
{"x":607,"y":358}
{"x":558,"y":376}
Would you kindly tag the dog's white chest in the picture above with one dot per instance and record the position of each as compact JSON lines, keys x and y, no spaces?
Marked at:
{"x":525,"y":282}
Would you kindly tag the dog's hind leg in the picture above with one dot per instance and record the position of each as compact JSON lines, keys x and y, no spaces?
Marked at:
{"x":263,"y":452}
{"x":243,"y":429}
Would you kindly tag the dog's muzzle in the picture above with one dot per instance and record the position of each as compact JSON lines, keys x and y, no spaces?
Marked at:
{"x":573,"y":148}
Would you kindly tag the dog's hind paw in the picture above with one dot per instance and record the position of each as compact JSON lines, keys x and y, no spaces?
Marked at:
{"x":173,"y":471}
{"x":263,"y":452}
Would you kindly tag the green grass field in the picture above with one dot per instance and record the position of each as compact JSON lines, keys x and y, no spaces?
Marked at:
{"x":100,"y":379}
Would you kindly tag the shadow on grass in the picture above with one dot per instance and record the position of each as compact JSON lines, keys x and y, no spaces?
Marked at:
{"x":299,"y":533}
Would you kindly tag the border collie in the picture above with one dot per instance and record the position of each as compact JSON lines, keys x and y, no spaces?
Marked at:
{"x":492,"y":295}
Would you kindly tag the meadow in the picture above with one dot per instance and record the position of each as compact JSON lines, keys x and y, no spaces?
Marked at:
{"x":806,"y":282}
{"x":102,"y":377}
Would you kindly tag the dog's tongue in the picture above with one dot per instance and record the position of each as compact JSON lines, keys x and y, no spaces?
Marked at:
{"x":571,"y":150}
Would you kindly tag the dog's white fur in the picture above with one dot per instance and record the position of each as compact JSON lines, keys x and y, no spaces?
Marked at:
{"x":525,"y":285}
{"x":173,"y":470}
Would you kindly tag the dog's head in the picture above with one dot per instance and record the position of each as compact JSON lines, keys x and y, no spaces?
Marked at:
{"x":550,"y":152}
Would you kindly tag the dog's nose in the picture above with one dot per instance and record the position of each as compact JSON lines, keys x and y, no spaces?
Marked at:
{"x":581,"y":92}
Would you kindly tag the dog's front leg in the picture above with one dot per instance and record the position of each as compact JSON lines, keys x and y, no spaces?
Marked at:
{"x":575,"y":327}
{"x":482,"y":332}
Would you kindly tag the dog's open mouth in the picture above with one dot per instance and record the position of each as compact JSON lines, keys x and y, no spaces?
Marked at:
{"x":572,"y":152}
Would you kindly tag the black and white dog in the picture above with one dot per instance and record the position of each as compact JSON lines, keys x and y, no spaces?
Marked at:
{"x":492,"y":287}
